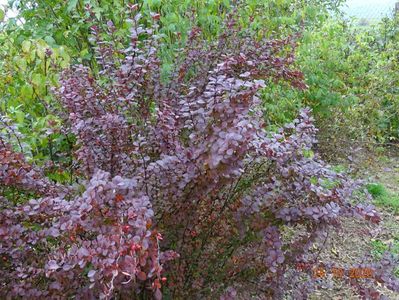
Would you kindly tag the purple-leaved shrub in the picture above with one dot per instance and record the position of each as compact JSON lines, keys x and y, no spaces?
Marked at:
{"x":189,"y":158}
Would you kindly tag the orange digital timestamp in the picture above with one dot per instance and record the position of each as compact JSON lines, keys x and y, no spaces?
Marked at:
{"x":361,"y":273}
{"x":318,"y":272}
{"x":337,"y":272}
{"x":356,"y":273}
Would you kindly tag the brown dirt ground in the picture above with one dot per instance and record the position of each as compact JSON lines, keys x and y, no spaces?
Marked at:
{"x":348,"y":247}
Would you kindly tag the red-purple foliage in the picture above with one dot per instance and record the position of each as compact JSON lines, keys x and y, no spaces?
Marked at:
{"x":189,"y":157}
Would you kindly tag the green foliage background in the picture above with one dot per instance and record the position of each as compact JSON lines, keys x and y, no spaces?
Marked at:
{"x":351,"y":71}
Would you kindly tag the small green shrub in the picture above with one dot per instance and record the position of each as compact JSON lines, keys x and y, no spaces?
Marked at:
{"x":378,"y":248}
{"x":376,"y":190}
{"x":383,"y":198}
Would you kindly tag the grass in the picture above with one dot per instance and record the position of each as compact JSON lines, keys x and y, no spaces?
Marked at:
{"x":378,"y":248}
{"x":384,"y":198}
